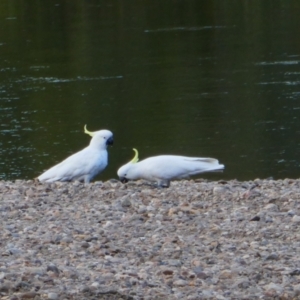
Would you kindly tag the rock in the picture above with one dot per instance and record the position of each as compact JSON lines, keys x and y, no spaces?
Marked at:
{"x":174,"y":262}
{"x":5,"y":288}
{"x":168,"y":272}
{"x":126,"y":202}
{"x":271,"y":207}
{"x":225,"y":274}
{"x":295,"y":272}
{"x":219,"y":190}
{"x":53,"y":269}
{"x":256,"y":218}
{"x":28,"y":295}
{"x":180,"y":282}
{"x":95,"y":284}
{"x":273,"y":256}
{"x":52,"y":296}
{"x":207,"y":294}
{"x":291,"y":212}
{"x":85,"y":245}
{"x":14,"y":251}
{"x":202,"y":275}
{"x":296,"y":219}
{"x":242,"y":283}
{"x":273,"y":287}
{"x":297,"y":288}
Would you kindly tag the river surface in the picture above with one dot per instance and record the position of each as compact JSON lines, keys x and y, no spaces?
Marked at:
{"x":197,"y":78}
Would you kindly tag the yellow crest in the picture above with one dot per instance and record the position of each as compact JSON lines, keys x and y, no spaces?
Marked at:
{"x":88,"y":132}
{"x":136,"y":156}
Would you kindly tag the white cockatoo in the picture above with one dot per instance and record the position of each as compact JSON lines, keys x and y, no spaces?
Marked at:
{"x":85,"y":164}
{"x":163,"y":168}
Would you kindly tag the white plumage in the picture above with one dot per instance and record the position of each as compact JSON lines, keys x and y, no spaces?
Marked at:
{"x":85,"y":164}
{"x":164,"y":168}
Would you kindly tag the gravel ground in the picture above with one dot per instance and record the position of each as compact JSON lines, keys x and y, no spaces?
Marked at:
{"x":195,"y":240}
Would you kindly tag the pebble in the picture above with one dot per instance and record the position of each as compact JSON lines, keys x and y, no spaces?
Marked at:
{"x":225,"y":274}
{"x":273,"y":286}
{"x":296,"y":219}
{"x":194,"y":240}
{"x":291,"y":212}
{"x":28,"y":295}
{"x":180,"y":282}
{"x":52,"y":296}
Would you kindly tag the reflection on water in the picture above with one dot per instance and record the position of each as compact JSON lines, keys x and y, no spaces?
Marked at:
{"x":198,"y":78}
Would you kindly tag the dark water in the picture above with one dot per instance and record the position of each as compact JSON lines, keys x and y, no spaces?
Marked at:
{"x":198,"y":78}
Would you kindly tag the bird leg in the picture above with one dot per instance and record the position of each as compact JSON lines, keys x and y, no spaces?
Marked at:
{"x":86,"y":179}
{"x":163,"y":183}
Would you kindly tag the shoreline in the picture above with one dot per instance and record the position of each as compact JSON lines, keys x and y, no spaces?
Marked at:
{"x":197,"y":239}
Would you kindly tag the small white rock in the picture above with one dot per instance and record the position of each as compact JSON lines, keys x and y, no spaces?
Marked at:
{"x":271,"y":207}
{"x":95,"y":284}
{"x":52,"y":296}
{"x":179,"y":282}
{"x":273,"y":286}
{"x":296,"y":219}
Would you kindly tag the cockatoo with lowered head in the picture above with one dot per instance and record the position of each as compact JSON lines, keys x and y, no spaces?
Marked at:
{"x":85,"y":164}
{"x":164,"y":168}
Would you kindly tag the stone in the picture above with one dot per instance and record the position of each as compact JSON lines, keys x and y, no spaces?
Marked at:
{"x":52,"y":296}
{"x":271,"y":207}
{"x":126,"y":202}
{"x":28,"y":295}
{"x":225,"y":274}
{"x":273,"y":256}
{"x":168,"y":272}
{"x":296,"y":219}
{"x":291,"y":212}
{"x":179,"y":282}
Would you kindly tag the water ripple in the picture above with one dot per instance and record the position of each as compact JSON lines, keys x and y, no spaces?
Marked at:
{"x":280,"y":82}
{"x":284,"y":62}
{"x":60,"y":80}
{"x":184,"y":29}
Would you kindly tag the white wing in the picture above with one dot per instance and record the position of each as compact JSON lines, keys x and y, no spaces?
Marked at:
{"x":172,"y":166}
{"x":83,"y":165}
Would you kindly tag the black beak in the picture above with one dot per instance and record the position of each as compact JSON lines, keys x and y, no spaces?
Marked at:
{"x":123,"y":179}
{"x":110,"y":141}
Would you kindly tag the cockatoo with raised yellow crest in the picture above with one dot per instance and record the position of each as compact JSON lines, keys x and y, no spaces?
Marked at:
{"x":85,"y":164}
{"x":163,"y":168}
